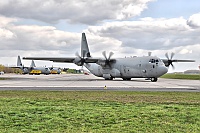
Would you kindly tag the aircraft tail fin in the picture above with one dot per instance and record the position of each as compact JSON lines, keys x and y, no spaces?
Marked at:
{"x":19,"y":62}
{"x":84,"y":47}
{"x":33,"y":64}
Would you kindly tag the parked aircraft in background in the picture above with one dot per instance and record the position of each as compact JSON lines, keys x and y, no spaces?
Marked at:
{"x":32,"y":69}
{"x":149,"y":67}
{"x":55,"y":70}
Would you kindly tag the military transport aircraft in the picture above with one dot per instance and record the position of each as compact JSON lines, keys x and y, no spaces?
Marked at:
{"x":32,"y":69}
{"x":149,"y":67}
{"x":55,"y":70}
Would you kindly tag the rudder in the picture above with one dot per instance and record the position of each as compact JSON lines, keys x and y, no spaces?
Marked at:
{"x":33,"y":64}
{"x":19,"y":62}
{"x":84,"y":47}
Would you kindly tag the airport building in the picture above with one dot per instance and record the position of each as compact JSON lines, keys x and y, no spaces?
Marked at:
{"x":192,"y":72}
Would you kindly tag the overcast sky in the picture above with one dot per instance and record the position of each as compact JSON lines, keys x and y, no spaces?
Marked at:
{"x":52,"y":28}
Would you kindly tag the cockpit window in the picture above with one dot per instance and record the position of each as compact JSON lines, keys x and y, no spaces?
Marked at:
{"x":153,"y":61}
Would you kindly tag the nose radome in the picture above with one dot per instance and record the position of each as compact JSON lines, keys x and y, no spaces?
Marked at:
{"x":163,"y":70}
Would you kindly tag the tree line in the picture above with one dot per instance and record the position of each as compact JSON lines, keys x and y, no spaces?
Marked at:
{"x":9,"y":70}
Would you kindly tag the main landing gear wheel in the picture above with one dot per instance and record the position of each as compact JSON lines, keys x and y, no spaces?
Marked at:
{"x":109,"y":78}
{"x":126,"y":78}
{"x":154,"y":79}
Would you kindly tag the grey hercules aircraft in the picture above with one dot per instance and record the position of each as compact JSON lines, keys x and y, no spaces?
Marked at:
{"x":149,"y":67}
{"x":32,"y":69}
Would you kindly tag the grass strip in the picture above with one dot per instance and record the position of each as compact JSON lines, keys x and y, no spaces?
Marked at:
{"x":104,"y":111}
{"x":182,"y":76}
{"x":2,"y":78}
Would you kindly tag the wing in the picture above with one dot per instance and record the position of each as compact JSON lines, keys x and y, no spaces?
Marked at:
{"x":57,"y":59}
{"x":167,"y":62}
{"x":15,"y":67}
{"x":20,"y":67}
{"x":62,"y":59}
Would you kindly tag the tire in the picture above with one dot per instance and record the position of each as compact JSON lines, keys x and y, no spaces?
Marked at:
{"x":126,"y":78}
{"x":109,"y":78}
{"x":154,"y":79}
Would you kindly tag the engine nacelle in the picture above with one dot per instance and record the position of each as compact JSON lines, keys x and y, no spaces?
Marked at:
{"x":115,"y":73}
{"x":109,"y":74}
{"x":101,"y":63}
{"x":106,"y":76}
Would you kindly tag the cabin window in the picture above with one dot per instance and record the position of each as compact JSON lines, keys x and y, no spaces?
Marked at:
{"x":153,"y":61}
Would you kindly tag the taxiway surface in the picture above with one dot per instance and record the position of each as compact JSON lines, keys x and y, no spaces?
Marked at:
{"x":89,"y":82}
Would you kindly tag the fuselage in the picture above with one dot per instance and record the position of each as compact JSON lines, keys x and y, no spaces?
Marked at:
{"x":127,"y":68}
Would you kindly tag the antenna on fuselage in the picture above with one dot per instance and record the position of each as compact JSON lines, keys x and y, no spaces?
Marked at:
{"x":149,"y":53}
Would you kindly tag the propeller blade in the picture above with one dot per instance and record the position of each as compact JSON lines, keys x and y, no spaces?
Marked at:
{"x":110,"y":55}
{"x":104,"y":54}
{"x":77,"y":54}
{"x":166,"y":55}
{"x":172,"y":55}
{"x":172,"y":66}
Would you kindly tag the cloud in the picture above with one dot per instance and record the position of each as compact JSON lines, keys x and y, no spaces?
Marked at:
{"x":74,"y":11}
{"x":185,"y":51}
{"x":35,"y":37}
{"x":124,"y":38}
{"x":5,"y":33}
{"x":194,"y":21}
{"x":149,"y":33}
{"x":38,"y":39}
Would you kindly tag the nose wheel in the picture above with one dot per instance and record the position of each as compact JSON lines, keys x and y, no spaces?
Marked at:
{"x":154,"y":79}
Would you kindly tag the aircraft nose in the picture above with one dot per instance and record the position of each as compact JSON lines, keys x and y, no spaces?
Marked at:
{"x":163,"y":70}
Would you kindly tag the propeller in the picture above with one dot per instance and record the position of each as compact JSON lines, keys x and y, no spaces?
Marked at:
{"x":169,"y":60}
{"x":108,"y":59}
{"x":79,"y":60}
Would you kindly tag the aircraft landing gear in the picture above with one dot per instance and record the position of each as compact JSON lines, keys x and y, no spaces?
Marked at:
{"x":126,"y":78}
{"x":111,"y":78}
{"x":154,"y":79}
